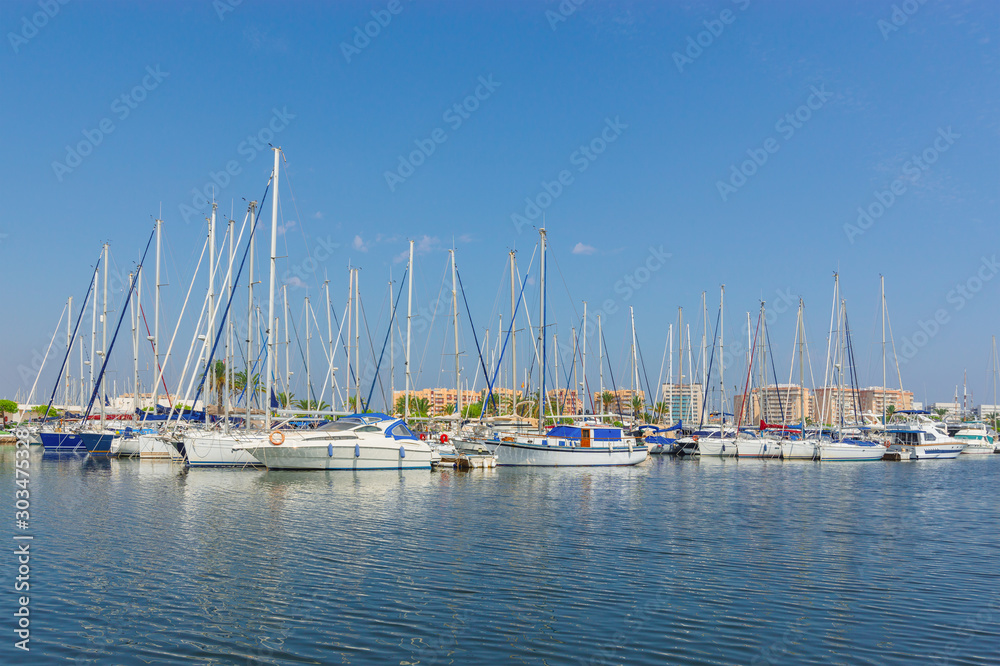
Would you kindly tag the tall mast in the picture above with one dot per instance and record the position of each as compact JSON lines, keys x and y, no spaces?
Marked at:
{"x":722,"y":357}
{"x":93,"y":341}
{"x":211,"y":303}
{"x":635,"y":365}
{"x":704,"y":342}
{"x":229,"y":323}
{"x":575,"y":377}
{"x":134,"y":316}
{"x":250,"y":389}
{"x":582,"y":385}
{"x":156,"y":314}
{"x":680,"y":354}
{"x":600,"y":364}
{"x":329,"y":328}
{"x":270,"y":298}
{"x":83,"y":387}
{"x":409,"y":317}
{"x":882,"y":285}
{"x":357,"y":334}
{"x":309,"y":391}
{"x":513,"y":333}
{"x":104,"y":338}
{"x":350,"y":323}
{"x":541,"y":339}
{"x":454,"y":305}
{"x":746,"y":390}
{"x":69,"y":347}
{"x":288,"y":342}
{"x":802,"y":380}
{"x":392,"y":346}
{"x":555,"y":346}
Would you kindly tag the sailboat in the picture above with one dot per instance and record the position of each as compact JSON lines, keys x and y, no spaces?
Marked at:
{"x":804,"y":447}
{"x":718,"y":443}
{"x":840,"y":446}
{"x":585,"y":444}
{"x":748,"y":445}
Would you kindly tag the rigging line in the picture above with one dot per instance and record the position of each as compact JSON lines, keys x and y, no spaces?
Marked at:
{"x":55,"y":332}
{"x":159,"y":366}
{"x":486,"y":373}
{"x":510,"y":329}
{"x":856,"y":398}
{"x":612,"y":372}
{"x":434,"y":311}
{"x":746,"y":386}
{"x":388,"y":333}
{"x":107,"y":353}
{"x":371,"y":345}
{"x":229,"y":303}
{"x":774,"y":373}
{"x":708,"y":382}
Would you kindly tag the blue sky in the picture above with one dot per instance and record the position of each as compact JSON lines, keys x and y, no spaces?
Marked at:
{"x":668,"y":122}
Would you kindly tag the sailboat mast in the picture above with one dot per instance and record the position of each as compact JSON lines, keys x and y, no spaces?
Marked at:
{"x":704,"y":341}
{"x":288,"y":342}
{"x":211,"y":295}
{"x":722,"y":357}
{"x":583,"y":376}
{"x":104,"y":338}
{"x":156,"y":313}
{"x":541,"y":339}
{"x":882,"y":285}
{"x":229,"y":323}
{"x":600,"y":364}
{"x":134,"y":316}
{"x":250,"y":386}
{"x":329,"y":328}
{"x":409,"y":317}
{"x":454,"y":306}
{"x":392,"y":347}
{"x":309,"y":391}
{"x":93,"y":341}
{"x":635,"y":365}
{"x":268,"y":380}
{"x":357,"y":338}
{"x":69,"y":348}
{"x":802,"y":384}
{"x":513,"y":334}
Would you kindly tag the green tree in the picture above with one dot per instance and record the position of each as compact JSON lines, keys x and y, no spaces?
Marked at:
{"x":889,"y":411}
{"x":218,"y":377}
{"x":7,"y":407}
{"x":607,"y":398}
{"x":39,"y":410}
{"x":638,"y":405}
{"x":940,"y":412}
{"x":285,"y":399}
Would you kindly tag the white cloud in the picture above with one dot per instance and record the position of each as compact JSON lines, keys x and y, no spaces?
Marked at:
{"x":288,"y":226}
{"x":359,"y":244}
{"x":580,"y":248}
{"x":295,"y":282}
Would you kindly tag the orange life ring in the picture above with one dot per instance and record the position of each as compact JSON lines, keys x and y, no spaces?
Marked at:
{"x":444,"y":438}
{"x":423,"y":436}
{"x":277,"y":438}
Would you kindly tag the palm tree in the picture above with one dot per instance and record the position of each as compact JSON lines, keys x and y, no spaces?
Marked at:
{"x":311,"y":405}
{"x":219,"y":380}
{"x":889,"y":411}
{"x":940,"y":411}
{"x":285,"y":399}
{"x":607,"y":398}
{"x":638,"y":405}
{"x":662,"y":409}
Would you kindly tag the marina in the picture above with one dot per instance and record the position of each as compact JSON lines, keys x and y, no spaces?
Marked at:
{"x":563,"y":332}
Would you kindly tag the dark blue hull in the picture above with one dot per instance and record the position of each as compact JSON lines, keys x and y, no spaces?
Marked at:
{"x":68,"y":442}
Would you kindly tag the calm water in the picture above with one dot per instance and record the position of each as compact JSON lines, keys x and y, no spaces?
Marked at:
{"x":692,"y":562}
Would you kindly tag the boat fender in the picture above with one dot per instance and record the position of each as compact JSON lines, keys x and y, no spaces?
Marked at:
{"x":277,"y":438}
{"x":444,"y":438}
{"x":357,"y":450}
{"x":329,"y":450}
{"x":402,"y":452}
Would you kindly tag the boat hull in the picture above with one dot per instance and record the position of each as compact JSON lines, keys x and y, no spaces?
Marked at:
{"x":351,"y":455}
{"x":717,"y":447}
{"x":799,"y":450}
{"x":519,"y":454}
{"x":843,"y":452}
{"x":84,"y":442}
{"x":211,"y":450}
{"x":758,"y":448}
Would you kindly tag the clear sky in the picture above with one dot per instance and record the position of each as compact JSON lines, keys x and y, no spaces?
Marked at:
{"x":740,"y":138}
